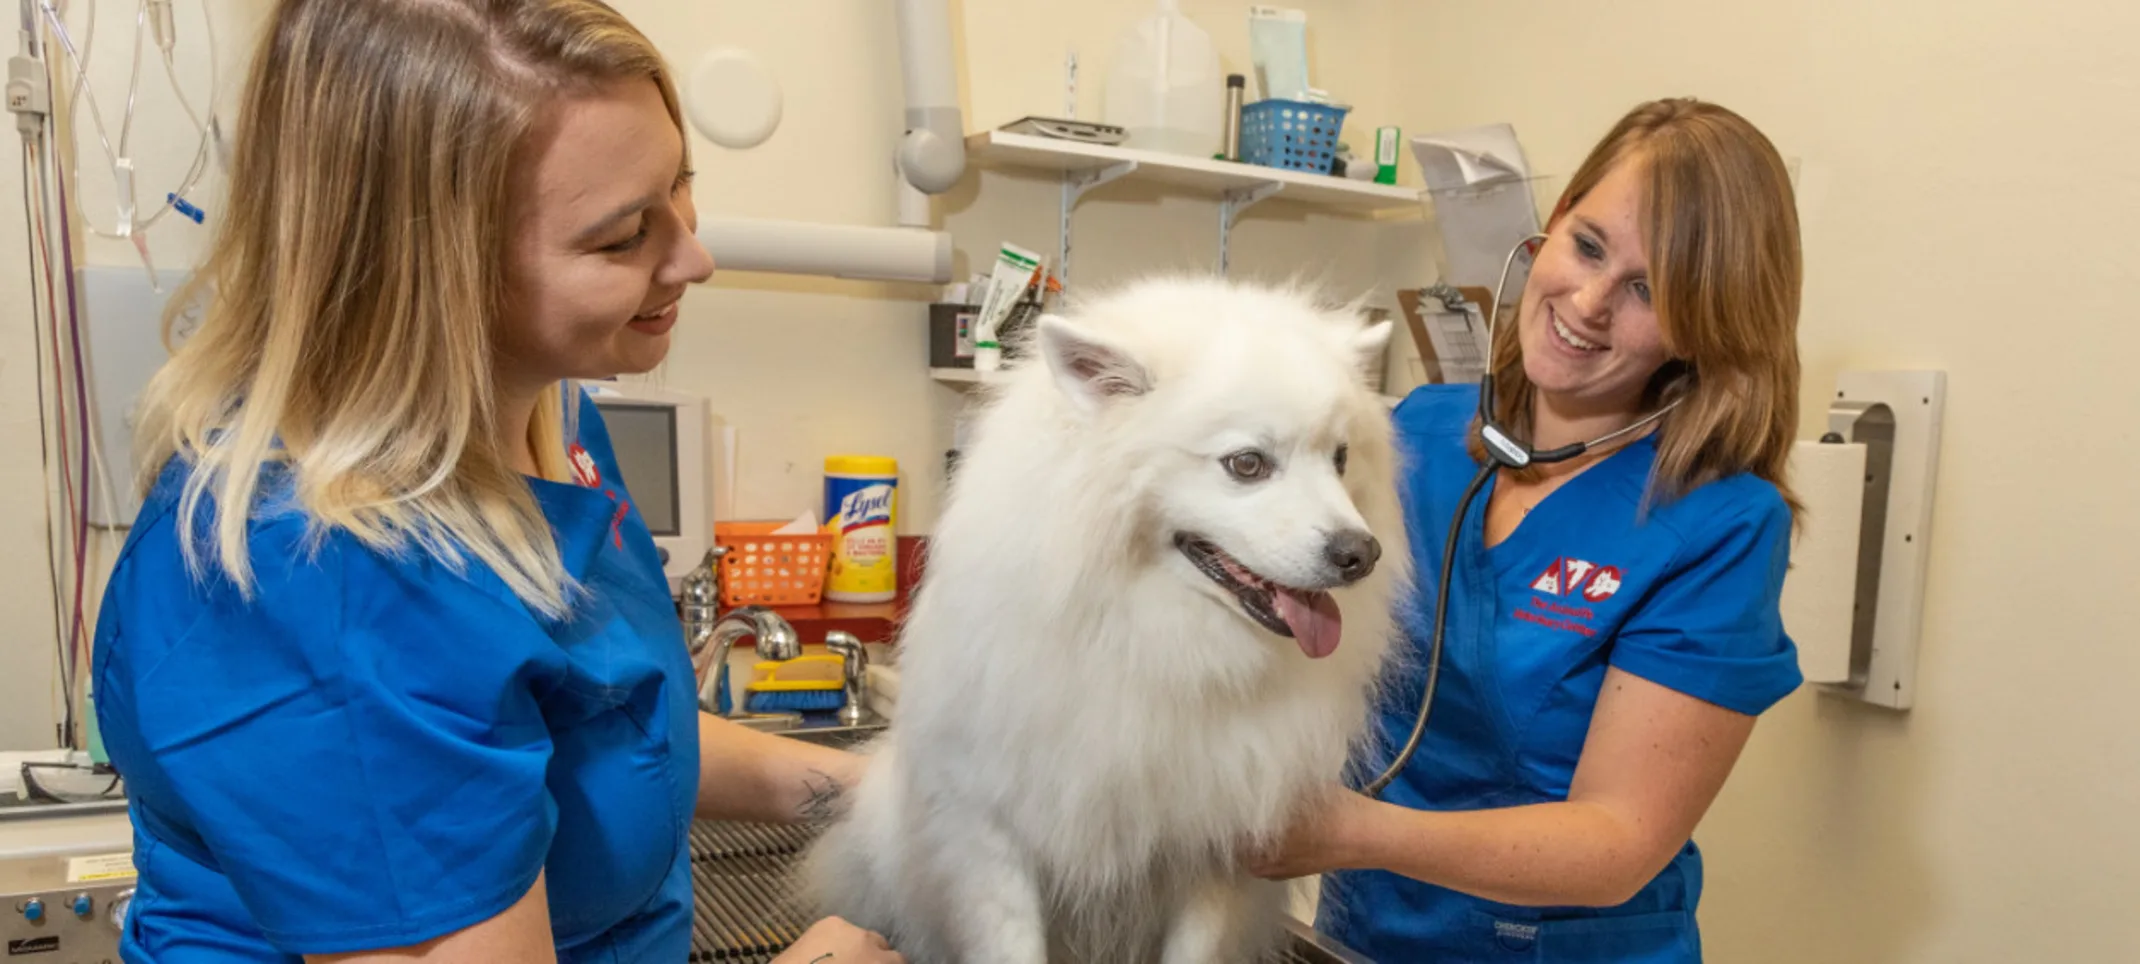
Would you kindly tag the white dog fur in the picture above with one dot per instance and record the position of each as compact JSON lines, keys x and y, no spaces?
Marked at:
{"x":1092,"y":732}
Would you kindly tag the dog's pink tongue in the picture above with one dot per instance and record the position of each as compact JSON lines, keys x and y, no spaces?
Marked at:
{"x":1314,"y":619}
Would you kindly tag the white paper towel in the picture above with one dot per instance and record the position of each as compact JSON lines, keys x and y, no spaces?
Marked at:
{"x":1472,"y":157}
{"x":883,"y":690}
{"x":1481,"y":186}
{"x":1821,"y":589}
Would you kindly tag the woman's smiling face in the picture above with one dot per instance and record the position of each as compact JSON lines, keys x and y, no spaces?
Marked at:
{"x":1590,"y":336}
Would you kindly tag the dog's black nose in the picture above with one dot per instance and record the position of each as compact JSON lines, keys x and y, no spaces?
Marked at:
{"x":1353,"y":554}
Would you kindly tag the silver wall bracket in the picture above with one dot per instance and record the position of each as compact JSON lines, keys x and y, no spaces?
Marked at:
{"x":1231,"y":206}
{"x":1075,"y":184}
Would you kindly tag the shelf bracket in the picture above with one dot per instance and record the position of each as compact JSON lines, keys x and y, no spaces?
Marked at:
{"x":1075,"y":184}
{"x":1231,"y":206}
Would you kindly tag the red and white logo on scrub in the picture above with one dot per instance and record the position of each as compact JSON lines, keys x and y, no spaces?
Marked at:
{"x":1569,"y":576}
{"x":590,"y":475}
{"x":1603,"y":584}
{"x":583,"y":467}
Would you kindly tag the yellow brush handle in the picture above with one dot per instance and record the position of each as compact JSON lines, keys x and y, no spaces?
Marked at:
{"x":801,"y":673}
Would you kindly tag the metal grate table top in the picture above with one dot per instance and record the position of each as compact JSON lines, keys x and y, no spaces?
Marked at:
{"x":743,"y":891}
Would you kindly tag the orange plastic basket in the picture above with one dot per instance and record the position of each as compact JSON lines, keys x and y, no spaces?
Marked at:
{"x":762,"y":569}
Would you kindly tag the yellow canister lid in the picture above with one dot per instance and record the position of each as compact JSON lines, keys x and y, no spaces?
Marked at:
{"x":861,"y":465}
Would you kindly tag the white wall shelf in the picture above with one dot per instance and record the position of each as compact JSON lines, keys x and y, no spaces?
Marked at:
{"x":964,"y":378}
{"x":1206,"y":176}
{"x":1234,"y":185}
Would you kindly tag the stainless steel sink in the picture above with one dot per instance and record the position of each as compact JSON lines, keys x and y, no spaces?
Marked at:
{"x":814,"y":727}
{"x":836,"y":734}
{"x":743,"y":889}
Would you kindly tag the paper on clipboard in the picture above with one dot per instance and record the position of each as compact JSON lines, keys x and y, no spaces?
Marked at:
{"x":1481,"y":186}
{"x":1459,"y":339}
{"x":1450,"y":341}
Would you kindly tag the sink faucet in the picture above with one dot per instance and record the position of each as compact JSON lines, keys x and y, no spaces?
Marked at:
{"x":854,"y":674}
{"x":775,"y":641}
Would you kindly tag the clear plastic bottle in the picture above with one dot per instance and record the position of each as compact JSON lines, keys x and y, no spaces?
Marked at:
{"x":1164,"y":86}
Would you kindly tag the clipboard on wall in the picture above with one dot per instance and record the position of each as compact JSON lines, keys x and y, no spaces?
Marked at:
{"x":1449,"y":342}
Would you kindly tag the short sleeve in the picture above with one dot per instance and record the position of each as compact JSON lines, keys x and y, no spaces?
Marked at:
{"x":1712,"y":627}
{"x":360,"y":748}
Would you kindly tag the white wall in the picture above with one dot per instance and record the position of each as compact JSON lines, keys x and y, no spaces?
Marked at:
{"x":1971,"y":176}
{"x":806,"y":368}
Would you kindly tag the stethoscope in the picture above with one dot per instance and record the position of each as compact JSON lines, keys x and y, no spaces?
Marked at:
{"x":1502,"y":450}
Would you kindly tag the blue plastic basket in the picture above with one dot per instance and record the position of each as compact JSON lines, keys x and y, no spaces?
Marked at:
{"x":1291,"y":134}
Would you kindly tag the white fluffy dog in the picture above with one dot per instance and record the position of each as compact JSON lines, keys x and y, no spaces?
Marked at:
{"x":1156,"y":605}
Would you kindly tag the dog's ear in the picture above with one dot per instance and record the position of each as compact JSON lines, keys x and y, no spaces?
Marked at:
{"x":1367,"y":346}
{"x":1087,"y":366}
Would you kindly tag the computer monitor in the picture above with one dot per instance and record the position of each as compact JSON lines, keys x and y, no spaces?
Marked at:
{"x":663,"y":448}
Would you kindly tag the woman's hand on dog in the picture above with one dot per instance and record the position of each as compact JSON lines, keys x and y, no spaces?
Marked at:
{"x":835,"y":941}
{"x":1319,"y":840}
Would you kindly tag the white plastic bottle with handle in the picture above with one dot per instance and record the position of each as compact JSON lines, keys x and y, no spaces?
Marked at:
{"x":1164,"y":86}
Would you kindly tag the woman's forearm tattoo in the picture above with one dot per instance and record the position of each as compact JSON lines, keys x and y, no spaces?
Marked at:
{"x":824,"y":796}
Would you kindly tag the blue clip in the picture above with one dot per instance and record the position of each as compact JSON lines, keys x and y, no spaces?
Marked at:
{"x":186,"y":208}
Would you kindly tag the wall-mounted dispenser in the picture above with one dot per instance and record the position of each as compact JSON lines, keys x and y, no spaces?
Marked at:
{"x":1854,"y":599}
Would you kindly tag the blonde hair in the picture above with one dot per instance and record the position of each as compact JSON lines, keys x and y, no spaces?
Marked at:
{"x":352,"y":296}
{"x":1725,"y":272}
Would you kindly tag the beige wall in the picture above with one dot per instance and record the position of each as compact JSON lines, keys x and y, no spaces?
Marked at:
{"x":1969,"y":185}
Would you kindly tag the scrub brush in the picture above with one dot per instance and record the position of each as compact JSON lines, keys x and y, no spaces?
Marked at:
{"x":798,"y":685}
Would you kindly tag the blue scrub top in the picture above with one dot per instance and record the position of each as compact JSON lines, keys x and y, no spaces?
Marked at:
{"x":374,"y":751}
{"x":1686,"y":597}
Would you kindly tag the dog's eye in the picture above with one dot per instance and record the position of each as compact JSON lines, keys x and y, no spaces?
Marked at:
{"x":1339,"y":459}
{"x":1248,"y":466}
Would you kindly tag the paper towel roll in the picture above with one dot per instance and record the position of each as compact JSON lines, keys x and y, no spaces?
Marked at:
{"x":1820,"y":593}
{"x":883,"y":690}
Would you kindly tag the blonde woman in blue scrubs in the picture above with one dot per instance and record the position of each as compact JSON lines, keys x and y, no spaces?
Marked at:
{"x":1613,"y":626}
{"x":388,"y":662}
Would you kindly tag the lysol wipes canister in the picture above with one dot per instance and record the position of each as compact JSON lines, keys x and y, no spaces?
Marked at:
{"x":861,"y":496}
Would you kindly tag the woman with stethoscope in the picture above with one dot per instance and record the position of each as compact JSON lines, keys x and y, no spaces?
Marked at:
{"x":1611,"y":610}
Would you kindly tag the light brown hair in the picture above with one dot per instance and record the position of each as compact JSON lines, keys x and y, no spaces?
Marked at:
{"x":1721,"y":226}
{"x":353,"y":292}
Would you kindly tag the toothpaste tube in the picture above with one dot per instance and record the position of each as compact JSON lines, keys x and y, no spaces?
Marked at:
{"x":1015,"y":268}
